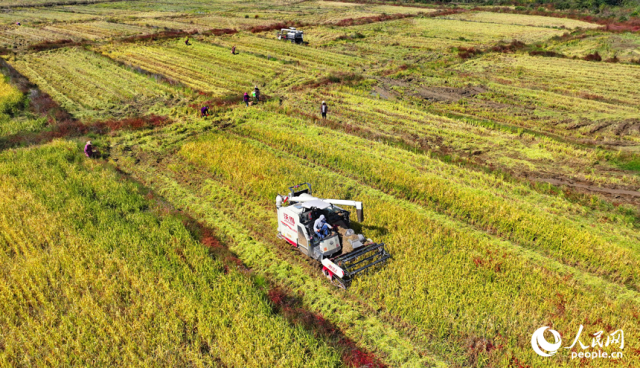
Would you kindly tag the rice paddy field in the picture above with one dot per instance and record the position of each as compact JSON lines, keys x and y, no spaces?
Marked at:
{"x":498,"y":160}
{"x":521,"y":19}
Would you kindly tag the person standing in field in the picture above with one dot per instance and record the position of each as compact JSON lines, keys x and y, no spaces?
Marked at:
{"x":246,"y":99}
{"x":324,"y":109}
{"x":88,"y":150}
{"x":204,"y":111}
{"x":256,"y":91}
{"x":233,"y":50}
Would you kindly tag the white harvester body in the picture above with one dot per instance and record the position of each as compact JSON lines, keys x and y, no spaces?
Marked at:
{"x":342,"y":252}
{"x":291,"y":34}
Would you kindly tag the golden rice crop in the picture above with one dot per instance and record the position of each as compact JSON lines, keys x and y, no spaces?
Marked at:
{"x":441,"y":259}
{"x":522,"y":19}
{"x":86,"y":265}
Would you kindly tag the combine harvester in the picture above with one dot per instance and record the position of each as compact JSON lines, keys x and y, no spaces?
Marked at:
{"x":343,"y":253}
{"x":291,"y":34}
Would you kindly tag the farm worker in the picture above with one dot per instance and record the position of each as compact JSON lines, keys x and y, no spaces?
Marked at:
{"x":323,"y":109}
{"x":256,"y":92}
{"x":88,"y":150}
{"x":18,"y":23}
{"x":233,"y":50}
{"x":204,"y":111}
{"x":246,"y":98}
{"x":321,"y":227}
{"x":186,"y":42}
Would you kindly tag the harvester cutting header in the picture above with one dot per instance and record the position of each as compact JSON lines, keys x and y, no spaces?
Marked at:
{"x":322,"y":231}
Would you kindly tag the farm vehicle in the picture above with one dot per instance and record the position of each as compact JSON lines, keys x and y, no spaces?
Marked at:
{"x":291,"y":34}
{"x":342,"y":253}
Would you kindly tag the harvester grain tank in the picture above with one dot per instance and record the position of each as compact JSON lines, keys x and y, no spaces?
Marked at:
{"x":342,"y":253}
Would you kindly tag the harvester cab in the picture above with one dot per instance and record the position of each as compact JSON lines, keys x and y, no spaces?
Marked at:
{"x":342,"y":253}
{"x":291,"y":34}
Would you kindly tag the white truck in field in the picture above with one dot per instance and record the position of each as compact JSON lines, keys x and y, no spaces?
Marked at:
{"x":342,"y":252}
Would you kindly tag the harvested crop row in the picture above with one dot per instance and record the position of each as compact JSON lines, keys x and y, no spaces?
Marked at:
{"x":478,"y":33}
{"x":545,"y":111}
{"x":206,"y":67}
{"x":97,"y":30}
{"x":355,"y":111}
{"x":307,"y":57}
{"x":89,"y":85}
{"x":564,"y":76}
{"x":522,"y":19}
{"x":39,"y":15}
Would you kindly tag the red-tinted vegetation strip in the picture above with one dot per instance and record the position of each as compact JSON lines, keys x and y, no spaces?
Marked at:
{"x":545,"y":53}
{"x":221,"y":101}
{"x":348,"y":22}
{"x":177,"y":33}
{"x":275,"y":26}
{"x":468,"y":52}
{"x":284,"y":304}
{"x":76,"y":128}
{"x":515,"y":45}
{"x":207,"y":237}
{"x":593,"y":57}
{"x":50,"y":45}
{"x":334,"y":78}
{"x":291,"y":308}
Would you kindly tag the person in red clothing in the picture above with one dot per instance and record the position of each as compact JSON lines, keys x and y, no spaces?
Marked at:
{"x":233,"y":50}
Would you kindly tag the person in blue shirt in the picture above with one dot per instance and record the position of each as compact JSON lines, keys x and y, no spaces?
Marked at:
{"x":321,"y":227}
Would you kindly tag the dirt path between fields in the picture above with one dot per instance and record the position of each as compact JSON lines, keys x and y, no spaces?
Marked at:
{"x":616,"y":193}
{"x":429,"y":93}
{"x":449,"y":94}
